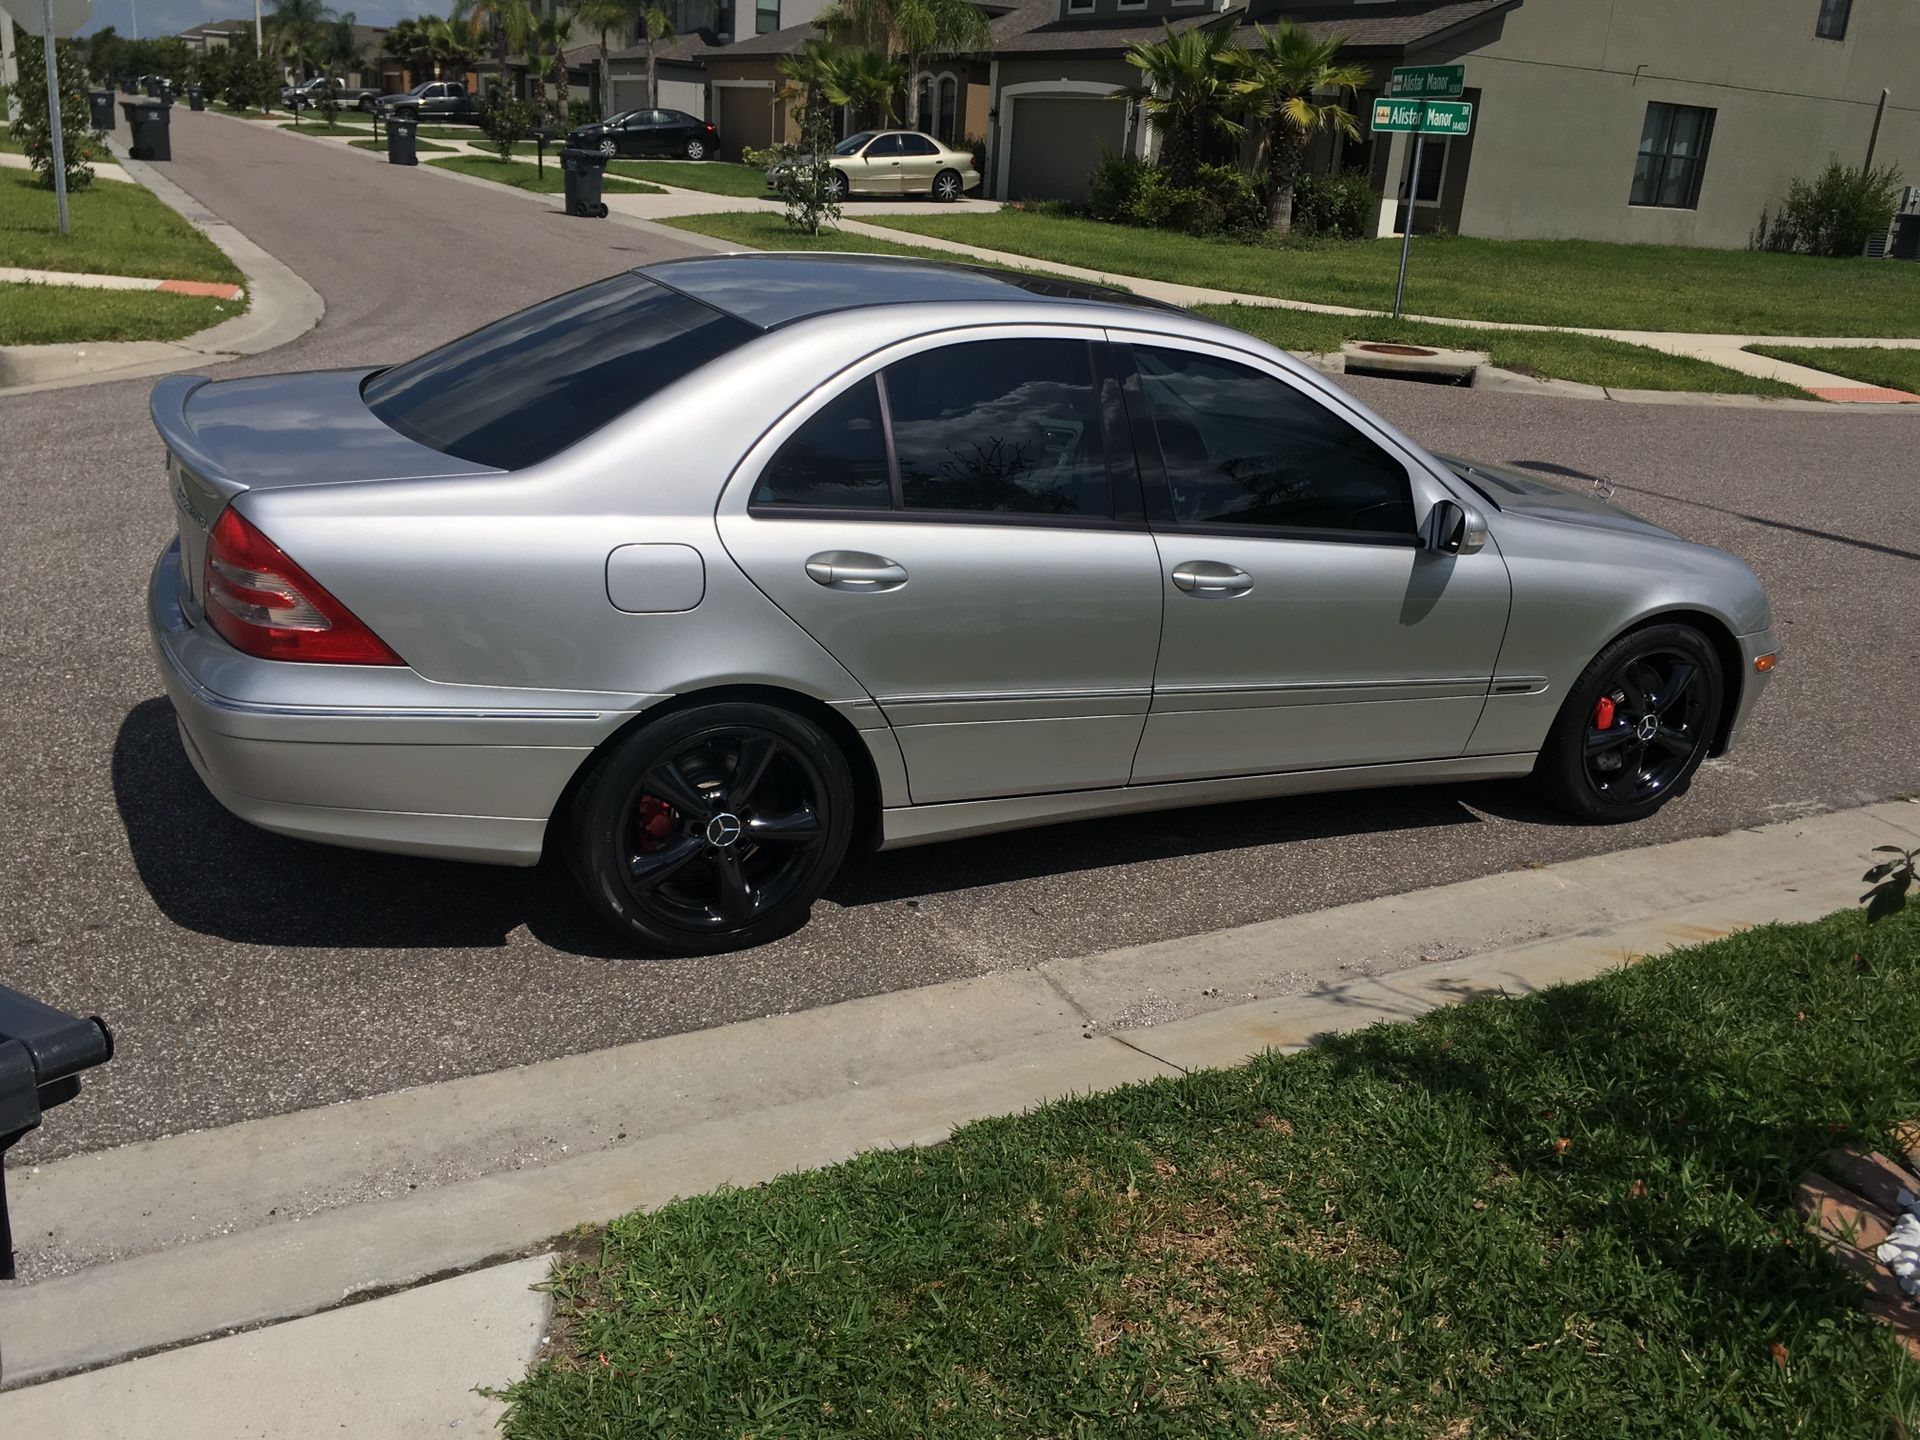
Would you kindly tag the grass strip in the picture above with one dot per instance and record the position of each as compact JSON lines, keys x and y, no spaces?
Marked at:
{"x":548,"y":181}
{"x":1569,"y":1213}
{"x":65,"y":314}
{"x":420,"y":147}
{"x":716,"y":177}
{"x":1534,"y":282}
{"x":1891,"y":366}
{"x":116,"y":229}
{"x":1555,"y":355}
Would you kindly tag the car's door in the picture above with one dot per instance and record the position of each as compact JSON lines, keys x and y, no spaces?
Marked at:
{"x":677,"y":127}
{"x":1306,"y":626}
{"x":877,"y":171}
{"x":919,"y":159}
{"x":958,"y":522}
{"x":637,"y":135}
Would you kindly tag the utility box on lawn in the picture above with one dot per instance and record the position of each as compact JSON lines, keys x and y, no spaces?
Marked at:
{"x":148,"y":137}
{"x":100,"y":109}
{"x":400,"y":142}
{"x":582,"y":172}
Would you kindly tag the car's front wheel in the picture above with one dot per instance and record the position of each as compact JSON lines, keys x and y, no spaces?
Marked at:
{"x":713,"y":829}
{"x":837,"y":186}
{"x":947,"y":187}
{"x":608,"y":148}
{"x":366,"y":106}
{"x":1635,"y":726}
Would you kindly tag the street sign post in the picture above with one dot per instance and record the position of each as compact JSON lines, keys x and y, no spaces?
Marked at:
{"x":1420,"y":117}
{"x":61,"y":18}
{"x":1427,"y":82}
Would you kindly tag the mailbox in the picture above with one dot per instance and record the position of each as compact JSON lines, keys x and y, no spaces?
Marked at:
{"x":42,"y":1054}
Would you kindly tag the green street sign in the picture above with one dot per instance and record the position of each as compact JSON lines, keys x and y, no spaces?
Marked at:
{"x":1427,"y":82}
{"x":1428,"y":117}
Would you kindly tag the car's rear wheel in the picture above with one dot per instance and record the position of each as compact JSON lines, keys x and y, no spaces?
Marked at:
{"x":713,"y":829}
{"x":946,"y":186}
{"x":1635,"y":726}
{"x":696,"y":149}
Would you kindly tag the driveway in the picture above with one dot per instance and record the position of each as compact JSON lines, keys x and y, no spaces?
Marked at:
{"x":247,"y":974}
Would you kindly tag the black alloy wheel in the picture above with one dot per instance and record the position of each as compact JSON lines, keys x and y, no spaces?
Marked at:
{"x":715,"y":829}
{"x":1635,"y":727}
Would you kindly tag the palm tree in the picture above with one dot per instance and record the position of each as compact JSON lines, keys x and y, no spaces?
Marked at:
{"x":868,"y":83}
{"x":448,"y":44}
{"x":655,"y":25}
{"x":1187,"y":87}
{"x":299,"y":29}
{"x":1282,"y":75}
{"x":909,"y":30}
{"x":405,"y":45}
{"x":340,"y":51}
{"x":509,"y":22}
{"x":546,"y":46}
{"x":604,"y":16}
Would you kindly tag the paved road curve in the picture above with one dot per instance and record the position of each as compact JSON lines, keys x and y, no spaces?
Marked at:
{"x":248,"y":974}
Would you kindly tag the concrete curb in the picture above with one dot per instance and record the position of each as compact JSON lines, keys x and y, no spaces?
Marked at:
{"x":173,"y":1240}
{"x":282,"y":307}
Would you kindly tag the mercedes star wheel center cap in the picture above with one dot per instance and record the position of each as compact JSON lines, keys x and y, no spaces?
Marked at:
{"x":723,"y":830}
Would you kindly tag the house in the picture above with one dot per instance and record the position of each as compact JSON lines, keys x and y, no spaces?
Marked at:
{"x":1624,"y":120}
{"x":214,"y":34}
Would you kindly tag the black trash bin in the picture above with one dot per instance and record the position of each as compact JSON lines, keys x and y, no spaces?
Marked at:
{"x":583,"y":171}
{"x":100,"y":109}
{"x":400,"y":141}
{"x":147,"y":137}
{"x":1906,"y":238}
{"x":196,"y":98}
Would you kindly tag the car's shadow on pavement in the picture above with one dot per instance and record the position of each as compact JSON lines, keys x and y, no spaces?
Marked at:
{"x":213,"y":873}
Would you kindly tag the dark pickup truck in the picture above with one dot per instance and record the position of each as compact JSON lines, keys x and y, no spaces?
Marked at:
{"x":444,"y":102}
{"x":302,"y":97}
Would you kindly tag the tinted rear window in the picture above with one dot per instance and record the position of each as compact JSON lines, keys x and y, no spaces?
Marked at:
{"x":526,"y":387}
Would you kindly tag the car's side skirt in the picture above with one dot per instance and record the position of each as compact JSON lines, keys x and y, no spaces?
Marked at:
{"x":922,"y":824}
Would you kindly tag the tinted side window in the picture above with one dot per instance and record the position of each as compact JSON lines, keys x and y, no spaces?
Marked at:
{"x":838,"y":458}
{"x":1011,"y":426}
{"x":526,"y":387}
{"x":885,"y":148}
{"x":1244,"y":448}
{"x":917,"y":145}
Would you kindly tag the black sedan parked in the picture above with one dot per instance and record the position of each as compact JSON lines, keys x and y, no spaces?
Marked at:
{"x":649,"y":132}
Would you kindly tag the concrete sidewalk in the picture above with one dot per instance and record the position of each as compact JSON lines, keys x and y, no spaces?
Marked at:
{"x":161,"y":1244}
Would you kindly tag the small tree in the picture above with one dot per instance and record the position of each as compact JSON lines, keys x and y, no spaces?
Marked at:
{"x":801,"y":176}
{"x":1283,"y":76}
{"x":505,"y":121}
{"x":80,"y":143}
{"x":1839,"y":211}
{"x":1187,"y":88}
{"x":329,"y":104}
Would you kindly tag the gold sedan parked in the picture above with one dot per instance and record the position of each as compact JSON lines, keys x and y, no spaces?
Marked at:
{"x":895,"y":163}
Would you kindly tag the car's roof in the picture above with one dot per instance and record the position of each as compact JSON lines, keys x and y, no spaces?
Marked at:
{"x":769,"y":290}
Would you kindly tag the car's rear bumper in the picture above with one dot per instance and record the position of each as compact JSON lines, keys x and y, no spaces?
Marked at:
{"x":373,"y":757}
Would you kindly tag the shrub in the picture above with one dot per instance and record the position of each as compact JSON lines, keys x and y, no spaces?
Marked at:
{"x":1112,"y":186}
{"x":80,"y":143}
{"x":505,"y":121}
{"x":1220,"y":200}
{"x":580,"y":112}
{"x":1834,"y":215}
{"x":1335,"y":206}
{"x":978,"y":145}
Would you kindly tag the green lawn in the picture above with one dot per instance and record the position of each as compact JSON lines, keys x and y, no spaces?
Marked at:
{"x":523,"y":176}
{"x":420,"y":147}
{"x":1553,"y":354}
{"x":117,"y":229}
{"x":1536,"y":282}
{"x":314,"y":127}
{"x":717,"y":177}
{"x":49,"y":315}
{"x":8,"y":143}
{"x":1564,"y":1215}
{"x":1870,"y":364}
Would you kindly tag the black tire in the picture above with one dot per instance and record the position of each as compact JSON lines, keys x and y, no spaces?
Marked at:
{"x":838,"y":187}
{"x":696,"y":149}
{"x":947,"y":187}
{"x":1663,"y":693}
{"x":601,"y":210}
{"x":366,"y":106}
{"x":668,"y":870}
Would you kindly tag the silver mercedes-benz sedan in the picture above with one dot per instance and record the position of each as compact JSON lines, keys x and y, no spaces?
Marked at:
{"x":708,"y":571}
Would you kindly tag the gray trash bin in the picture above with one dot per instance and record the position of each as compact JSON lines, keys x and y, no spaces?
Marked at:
{"x":582,"y":172}
{"x":100,"y":109}
{"x":400,"y":142}
{"x":147,"y":137}
{"x":196,"y":98}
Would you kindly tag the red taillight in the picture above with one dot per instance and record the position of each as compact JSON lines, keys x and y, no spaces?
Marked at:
{"x":710,"y":130}
{"x":263,"y":604}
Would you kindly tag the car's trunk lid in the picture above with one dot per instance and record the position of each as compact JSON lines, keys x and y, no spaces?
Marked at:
{"x":225,"y":437}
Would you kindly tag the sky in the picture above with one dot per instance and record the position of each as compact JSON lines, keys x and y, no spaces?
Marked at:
{"x":170,"y":17}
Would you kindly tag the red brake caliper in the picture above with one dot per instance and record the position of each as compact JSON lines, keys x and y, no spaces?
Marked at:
{"x":1603,"y":713}
{"x":656,"y":823}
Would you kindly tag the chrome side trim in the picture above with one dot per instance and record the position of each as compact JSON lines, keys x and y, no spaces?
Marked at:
{"x":1519,"y":685}
{"x":922,"y":824}
{"x":1304,"y":686}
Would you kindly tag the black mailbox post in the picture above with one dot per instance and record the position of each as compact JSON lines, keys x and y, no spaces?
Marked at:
{"x":42,"y":1054}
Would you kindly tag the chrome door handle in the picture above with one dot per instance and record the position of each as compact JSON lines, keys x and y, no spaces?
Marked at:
{"x":855,"y":570}
{"x":1211,"y":577}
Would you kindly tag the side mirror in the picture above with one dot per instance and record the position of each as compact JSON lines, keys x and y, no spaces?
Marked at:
{"x":1454,"y":529}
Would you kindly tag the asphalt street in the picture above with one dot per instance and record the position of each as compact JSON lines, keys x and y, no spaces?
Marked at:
{"x":246,"y":974}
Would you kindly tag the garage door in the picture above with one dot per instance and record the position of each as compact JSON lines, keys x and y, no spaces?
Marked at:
{"x":746,"y":119}
{"x":1057,"y":142}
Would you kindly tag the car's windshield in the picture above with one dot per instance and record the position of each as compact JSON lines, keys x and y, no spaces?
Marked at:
{"x":421,"y":88}
{"x":521,"y":389}
{"x":853,"y":144}
{"x":619,"y":119}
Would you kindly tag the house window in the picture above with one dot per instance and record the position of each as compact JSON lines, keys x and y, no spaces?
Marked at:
{"x":1832,"y":24}
{"x":766,"y":16}
{"x":1673,"y":156}
{"x":1079,"y":7}
{"x":949,"y":105}
{"x":1133,"y":4}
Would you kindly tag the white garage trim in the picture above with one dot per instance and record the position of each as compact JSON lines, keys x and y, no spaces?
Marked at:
{"x":1035,"y":90}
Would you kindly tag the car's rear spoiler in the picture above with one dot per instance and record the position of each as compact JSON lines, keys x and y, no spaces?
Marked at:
{"x":169,"y":407}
